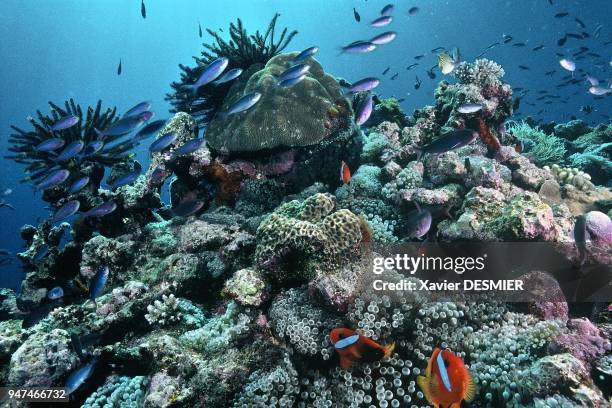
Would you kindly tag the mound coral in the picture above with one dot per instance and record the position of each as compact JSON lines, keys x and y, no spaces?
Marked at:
{"x":242,"y":50}
{"x":299,"y":115}
{"x":305,"y":233}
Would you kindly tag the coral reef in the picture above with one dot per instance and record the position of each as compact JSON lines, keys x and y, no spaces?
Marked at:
{"x":232,"y":304}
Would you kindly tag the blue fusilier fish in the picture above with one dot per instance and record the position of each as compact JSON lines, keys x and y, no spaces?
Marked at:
{"x":294,"y":72}
{"x":150,"y":129}
{"x":66,"y":210}
{"x":580,"y":238}
{"x":228,"y":76}
{"x":54,"y":179}
{"x":78,"y":185}
{"x":211,"y":72}
{"x":189,"y":147}
{"x":387,"y":10}
{"x":358,"y":47}
{"x":364,"y":110}
{"x":163,"y":142}
{"x":243,"y":104}
{"x":55,"y":293}
{"x":70,"y":151}
{"x":79,"y":377}
{"x":366,"y":84}
{"x":93,"y":147}
{"x":308,"y":52}
{"x":448,"y":142}
{"x":96,"y":286}
{"x":291,"y":81}
{"x":126,"y":179}
{"x":65,"y":122}
{"x":50,"y":145}
{"x":123,"y":126}
{"x":384,"y":38}
{"x":382,"y":21}
{"x":101,"y":210}
{"x":138,"y":109}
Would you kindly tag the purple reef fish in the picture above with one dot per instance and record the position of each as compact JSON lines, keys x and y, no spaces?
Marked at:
{"x":210,"y":73}
{"x":65,"y":211}
{"x":189,"y":147}
{"x":126,"y":179}
{"x":50,"y":145}
{"x":308,"y":52}
{"x":366,"y":84}
{"x":364,"y":110}
{"x":243,"y":104}
{"x":138,"y":109}
{"x":228,"y":76}
{"x":358,"y":47}
{"x":93,"y":147}
{"x":78,"y":185}
{"x":189,"y":207}
{"x":54,"y":179}
{"x":65,"y":122}
{"x":101,"y":210}
{"x":449,"y":141}
{"x":384,"y":38}
{"x":70,"y":151}
{"x":162,"y":142}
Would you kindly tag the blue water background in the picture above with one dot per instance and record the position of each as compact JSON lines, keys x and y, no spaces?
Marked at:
{"x":52,"y":50}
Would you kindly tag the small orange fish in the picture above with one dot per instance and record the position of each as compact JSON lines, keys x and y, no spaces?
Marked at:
{"x":352,"y":346}
{"x":345,"y":173}
{"x":447,"y":381}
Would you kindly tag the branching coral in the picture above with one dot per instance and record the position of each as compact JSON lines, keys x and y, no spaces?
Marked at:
{"x":543,"y":148}
{"x":242,"y":51}
{"x":573,"y":176}
{"x":164,"y":312}
{"x":40,"y":162}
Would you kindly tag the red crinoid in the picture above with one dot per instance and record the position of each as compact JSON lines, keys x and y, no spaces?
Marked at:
{"x":487,"y":137}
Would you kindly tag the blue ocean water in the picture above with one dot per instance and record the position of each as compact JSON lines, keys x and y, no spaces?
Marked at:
{"x":53,"y":50}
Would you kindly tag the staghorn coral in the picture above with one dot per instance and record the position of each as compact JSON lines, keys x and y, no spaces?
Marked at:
{"x":39,"y":163}
{"x":242,"y":50}
{"x":299,"y":115}
{"x":542,"y":148}
{"x":164,"y":312}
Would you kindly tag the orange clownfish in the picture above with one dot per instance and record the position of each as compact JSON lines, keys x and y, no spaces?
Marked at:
{"x":352,"y":346}
{"x":345,"y":173}
{"x":447,"y":381}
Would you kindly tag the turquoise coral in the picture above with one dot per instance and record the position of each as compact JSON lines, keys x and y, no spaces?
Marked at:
{"x":124,"y":392}
{"x":543,"y":148}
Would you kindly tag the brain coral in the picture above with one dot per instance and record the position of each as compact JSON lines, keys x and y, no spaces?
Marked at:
{"x":306,"y":232}
{"x":298,"y":115}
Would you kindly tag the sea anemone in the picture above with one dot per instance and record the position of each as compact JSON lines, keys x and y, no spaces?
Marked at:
{"x":242,"y":51}
{"x":40,"y":162}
